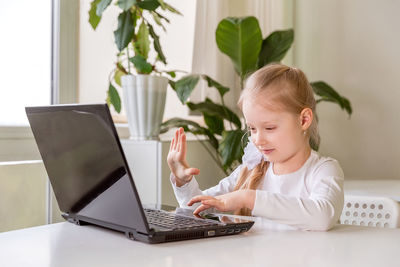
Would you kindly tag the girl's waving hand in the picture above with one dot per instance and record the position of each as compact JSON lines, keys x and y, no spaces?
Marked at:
{"x":177,"y":159}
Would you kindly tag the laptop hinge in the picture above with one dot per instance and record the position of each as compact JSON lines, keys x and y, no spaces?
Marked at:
{"x":71,"y":219}
{"x":65,"y":215}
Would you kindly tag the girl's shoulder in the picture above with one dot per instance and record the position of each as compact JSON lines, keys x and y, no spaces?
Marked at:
{"x":326,"y":166}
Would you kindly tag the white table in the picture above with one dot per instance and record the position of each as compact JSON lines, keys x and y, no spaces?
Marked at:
{"x":65,"y":244}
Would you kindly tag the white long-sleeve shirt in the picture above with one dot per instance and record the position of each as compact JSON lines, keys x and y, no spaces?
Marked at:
{"x":310,"y":198}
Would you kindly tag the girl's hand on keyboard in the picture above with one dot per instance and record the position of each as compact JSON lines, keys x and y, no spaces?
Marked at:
{"x":228,"y":202}
{"x":177,"y":159}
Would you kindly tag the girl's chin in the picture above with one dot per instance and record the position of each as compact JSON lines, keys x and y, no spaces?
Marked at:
{"x":267,"y":157}
{"x":270,"y":156}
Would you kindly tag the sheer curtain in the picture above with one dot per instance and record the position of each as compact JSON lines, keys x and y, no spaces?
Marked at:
{"x":207,"y":59}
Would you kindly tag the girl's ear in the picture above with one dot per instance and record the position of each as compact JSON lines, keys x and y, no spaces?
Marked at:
{"x":306,"y":117}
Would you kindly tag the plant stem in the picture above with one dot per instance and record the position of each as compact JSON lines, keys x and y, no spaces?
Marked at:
{"x":129,"y":65}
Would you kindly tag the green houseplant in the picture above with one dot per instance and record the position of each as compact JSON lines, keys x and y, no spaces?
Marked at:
{"x":241,"y":40}
{"x":135,"y":37}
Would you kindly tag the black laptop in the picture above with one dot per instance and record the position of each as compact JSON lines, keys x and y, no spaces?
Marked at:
{"x":92,"y":182}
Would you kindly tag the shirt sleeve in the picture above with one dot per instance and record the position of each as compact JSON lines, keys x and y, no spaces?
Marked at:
{"x":187,"y":191}
{"x":319,"y":212}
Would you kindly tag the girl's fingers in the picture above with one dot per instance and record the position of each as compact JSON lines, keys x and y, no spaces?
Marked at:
{"x":176,"y":139}
{"x":200,"y":209}
{"x":198,"y":199}
{"x":192,"y":171}
{"x":182,"y":146}
{"x":178,"y":147}
{"x":171,"y":146}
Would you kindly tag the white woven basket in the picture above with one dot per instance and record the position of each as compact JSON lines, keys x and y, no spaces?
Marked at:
{"x":370,"y":211}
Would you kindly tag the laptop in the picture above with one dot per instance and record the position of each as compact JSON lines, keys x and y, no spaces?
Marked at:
{"x":93,"y":185}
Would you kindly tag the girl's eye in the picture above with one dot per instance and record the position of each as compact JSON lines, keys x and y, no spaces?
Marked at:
{"x":251,"y":129}
{"x":270,"y":128}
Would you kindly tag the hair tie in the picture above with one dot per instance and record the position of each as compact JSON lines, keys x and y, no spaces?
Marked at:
{"x":252,"y":156}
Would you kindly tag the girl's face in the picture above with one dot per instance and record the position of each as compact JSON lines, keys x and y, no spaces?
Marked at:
{"x":279,"y":135}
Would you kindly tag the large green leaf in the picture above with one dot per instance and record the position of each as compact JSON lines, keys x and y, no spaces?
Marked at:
{"x":327,"y":93}
{"x":141,"y":65}
{"x":215,"y":110}
{"x":230,"y":147}
{"x":240,"y":39}
{"x":126,"y":4}
{"x":101,"y":6}
{"x":215,"y":124}
{"x":142,"y":44}
{"x":156,"y":44}
{"x":213,"y":83}
{"x":185,"y":86}
{"x":113,"y":98}
{"x":124,"y":33}
{"x":189,"y":126}
{"x":148,"y":4}
{"x":94,"y":20}
{"x":275,"y":47}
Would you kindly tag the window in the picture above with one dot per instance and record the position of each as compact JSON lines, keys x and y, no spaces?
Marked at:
{"x":25,"y":52}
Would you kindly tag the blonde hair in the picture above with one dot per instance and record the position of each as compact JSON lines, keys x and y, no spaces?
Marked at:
{"x":287,"y":88}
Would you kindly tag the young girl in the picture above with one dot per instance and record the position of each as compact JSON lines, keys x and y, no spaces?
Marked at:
{"x":281,"y":177}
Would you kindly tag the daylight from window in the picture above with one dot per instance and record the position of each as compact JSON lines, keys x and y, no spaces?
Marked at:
{"x":25,"y":53}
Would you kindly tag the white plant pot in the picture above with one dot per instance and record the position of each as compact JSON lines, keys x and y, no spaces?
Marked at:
{"x":144,"y":99}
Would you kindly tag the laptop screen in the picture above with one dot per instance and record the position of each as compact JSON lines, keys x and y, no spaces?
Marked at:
{"x":83,"y":159}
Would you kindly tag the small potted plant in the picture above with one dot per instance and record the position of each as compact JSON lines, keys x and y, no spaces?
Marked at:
{"x":143,"y":85}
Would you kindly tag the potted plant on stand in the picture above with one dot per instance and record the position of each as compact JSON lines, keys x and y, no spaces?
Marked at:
{"x":144,"y":94}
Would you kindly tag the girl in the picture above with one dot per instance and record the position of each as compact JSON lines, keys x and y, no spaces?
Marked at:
{"x":281,"y":177}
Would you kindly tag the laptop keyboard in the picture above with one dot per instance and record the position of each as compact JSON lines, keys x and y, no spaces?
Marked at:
{"x":169,"y":220}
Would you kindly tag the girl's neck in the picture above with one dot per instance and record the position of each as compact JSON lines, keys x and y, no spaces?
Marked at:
{"x":293,"y":163}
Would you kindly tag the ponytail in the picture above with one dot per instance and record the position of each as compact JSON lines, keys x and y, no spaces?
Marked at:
{"x":250,"y":179}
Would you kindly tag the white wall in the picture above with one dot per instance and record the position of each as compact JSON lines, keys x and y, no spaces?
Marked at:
{"x":353,"y":45}
{"x":98,"y":51}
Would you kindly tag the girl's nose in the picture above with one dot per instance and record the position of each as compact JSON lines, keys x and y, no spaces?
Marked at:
{"x":259,"y":140}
